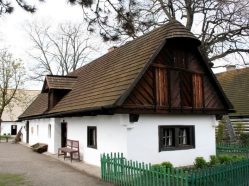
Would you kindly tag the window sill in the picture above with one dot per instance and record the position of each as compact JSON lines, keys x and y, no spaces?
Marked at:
{"x":176,"y":148}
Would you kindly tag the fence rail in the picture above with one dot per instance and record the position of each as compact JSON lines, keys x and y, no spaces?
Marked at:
{"x":235,"y":149}
{"x":118,"y":170}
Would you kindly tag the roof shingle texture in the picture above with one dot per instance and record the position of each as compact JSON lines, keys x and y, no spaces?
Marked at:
{"x":37,"y":107}
{"x":61,"y":82}
{"x":102,"y":82}
{"x":235,"y":84}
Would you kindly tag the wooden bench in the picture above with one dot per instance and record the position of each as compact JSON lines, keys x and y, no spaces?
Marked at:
{"x":72,"y":148}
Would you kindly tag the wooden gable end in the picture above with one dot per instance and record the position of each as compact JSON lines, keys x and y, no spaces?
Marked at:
{"x":176,"y":81}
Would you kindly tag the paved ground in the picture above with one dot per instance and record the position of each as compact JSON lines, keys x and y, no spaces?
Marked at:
{"x":40,"y":169}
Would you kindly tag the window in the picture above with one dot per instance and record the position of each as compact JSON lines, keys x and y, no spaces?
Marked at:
{"x":49,"y":131}
{"x":176,"y":137}
{"x":92,"y":137}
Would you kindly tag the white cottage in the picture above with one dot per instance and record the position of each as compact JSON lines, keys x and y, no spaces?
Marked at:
{"x":9,"y":123}
{"x":154,"y":99}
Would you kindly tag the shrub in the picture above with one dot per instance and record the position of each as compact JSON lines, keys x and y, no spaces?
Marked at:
{"x":167,"y":164}
{"x":225,"y":159}
{"x":156,"y":166}
{"x":239,"y":128}
{"x":244,"y":138}
{"x":220,"y":134}
{"x":200,"y":163}
{"x":214,"y":160}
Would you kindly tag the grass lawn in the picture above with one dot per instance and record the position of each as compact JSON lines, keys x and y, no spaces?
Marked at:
{"x":12,"y":180}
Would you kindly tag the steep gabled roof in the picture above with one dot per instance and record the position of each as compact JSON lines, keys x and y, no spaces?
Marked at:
{"x":104,"y":83}
{"x":59,"y":82}
{"x":235,"y":83}
{"x":38,"y":107}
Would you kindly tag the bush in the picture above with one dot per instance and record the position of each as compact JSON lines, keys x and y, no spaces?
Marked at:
{"x":239,"y":128}
{"x":167,"y":164}
{"x":220,"y":134}
{"x":156,"y":166}
{"x":225,"y":159}
{"x":244,"y":138}
{"x":200,"y":163}
{"x":214,"y":160}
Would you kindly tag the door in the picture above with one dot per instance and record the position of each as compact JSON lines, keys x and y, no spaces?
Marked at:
{"x":63,"y":134}
{"x":27,"y":132}
{"x":13,"y":129}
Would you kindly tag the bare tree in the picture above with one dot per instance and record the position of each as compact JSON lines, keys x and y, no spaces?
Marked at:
{"x":11,"y":78}
{"x":221,"y":25}
{"x":58,"y":52}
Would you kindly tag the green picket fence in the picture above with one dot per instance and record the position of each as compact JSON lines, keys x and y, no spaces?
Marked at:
{"x":118,"y":170}
{"x":232,"y":149}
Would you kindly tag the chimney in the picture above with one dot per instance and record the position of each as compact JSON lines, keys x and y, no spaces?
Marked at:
{"x":112,"y":48}
{"x":230,"y":67}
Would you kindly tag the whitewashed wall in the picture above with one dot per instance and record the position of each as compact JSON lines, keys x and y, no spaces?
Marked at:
{"x":138,"y":141}
{"x":6,"y":127}
{"x":111,"y":135}
{"x":39,"y":133}
{"x":143,"y":139}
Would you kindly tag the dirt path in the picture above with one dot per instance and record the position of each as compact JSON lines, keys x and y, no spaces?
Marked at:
{"x":41,"y":170}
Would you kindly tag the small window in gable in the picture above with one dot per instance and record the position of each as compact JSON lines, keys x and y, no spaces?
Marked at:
{"x":176,"y":137}
{"x":92,"y":137}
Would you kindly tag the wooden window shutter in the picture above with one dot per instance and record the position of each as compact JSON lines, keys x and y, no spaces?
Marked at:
{"x":161,"y":87}
{"x":198,"y":90}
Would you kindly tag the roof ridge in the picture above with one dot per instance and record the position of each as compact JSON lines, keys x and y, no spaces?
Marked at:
{"x":165,"y":26}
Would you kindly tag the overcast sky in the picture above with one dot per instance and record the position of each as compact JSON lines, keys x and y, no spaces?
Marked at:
{"x":53,"y":12}
{"x":12,"y":27}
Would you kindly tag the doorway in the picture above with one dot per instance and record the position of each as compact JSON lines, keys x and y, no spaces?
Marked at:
{"x":63,"y":134}
{"x":27,"y":132}
{"x":13,"y":129}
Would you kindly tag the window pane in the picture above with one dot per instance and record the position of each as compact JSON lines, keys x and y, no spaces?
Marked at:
{"x":168,"y":137}
{"x":183,"y":136}
{"x":92,"y":137}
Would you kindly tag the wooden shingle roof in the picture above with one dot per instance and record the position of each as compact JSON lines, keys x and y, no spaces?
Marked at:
{"x":105,"y":81}
{"x":38,"y":107}
{"x":60,"y":82}
{"x":235,"y":84}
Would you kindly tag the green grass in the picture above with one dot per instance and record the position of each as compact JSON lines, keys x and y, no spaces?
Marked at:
{"x":12,"y":180}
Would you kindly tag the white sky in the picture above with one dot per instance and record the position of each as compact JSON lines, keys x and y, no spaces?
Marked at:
{"x":14,"y":37}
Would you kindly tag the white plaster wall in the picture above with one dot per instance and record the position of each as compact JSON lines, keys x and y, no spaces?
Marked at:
{"x":6,"y":127}
{"x":143,"y":144}
{"x":42,"y":135}
{"x":111,"y":135}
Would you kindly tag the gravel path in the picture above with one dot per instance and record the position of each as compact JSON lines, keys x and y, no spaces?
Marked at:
{"x":41,"y":170}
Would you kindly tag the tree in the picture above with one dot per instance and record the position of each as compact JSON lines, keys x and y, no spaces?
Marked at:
{"x":11,"y":78}
{"x":221,"y":25}
{"x":58,"y":52}
{"x":6,"y":7}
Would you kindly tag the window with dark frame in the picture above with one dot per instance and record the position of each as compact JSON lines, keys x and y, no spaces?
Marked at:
{"x":176,"y":137}
{"x":92,"y":137}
